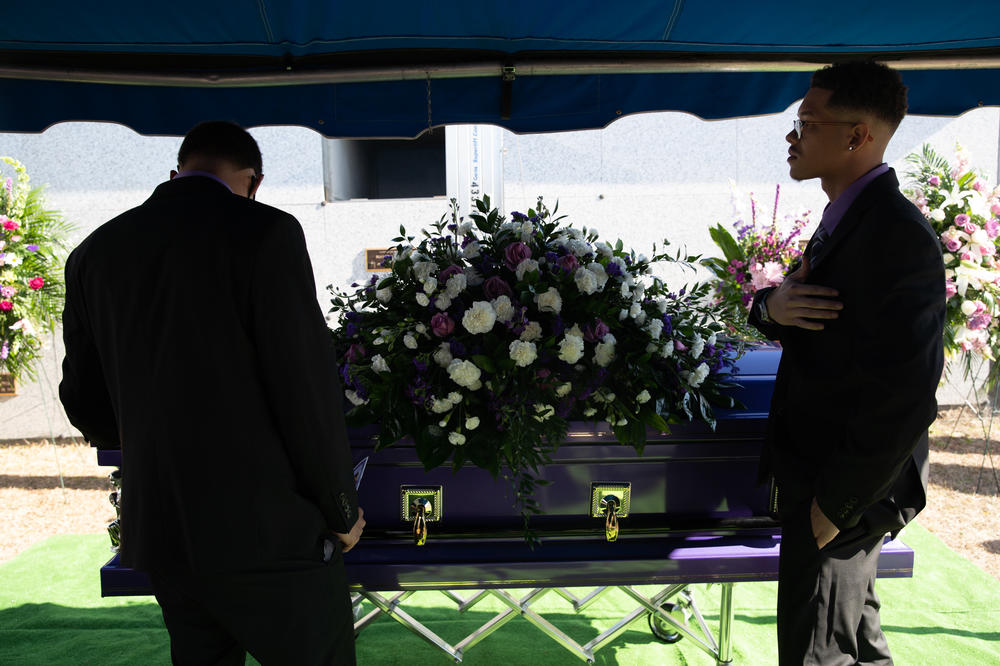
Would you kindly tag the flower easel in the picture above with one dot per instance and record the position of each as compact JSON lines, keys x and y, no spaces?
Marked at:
{"x":965,"y":214}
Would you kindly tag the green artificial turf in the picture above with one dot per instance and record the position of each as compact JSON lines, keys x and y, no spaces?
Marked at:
{"x":51,"y":612}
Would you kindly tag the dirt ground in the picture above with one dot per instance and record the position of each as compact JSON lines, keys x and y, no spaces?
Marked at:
{"x":36,"y":505}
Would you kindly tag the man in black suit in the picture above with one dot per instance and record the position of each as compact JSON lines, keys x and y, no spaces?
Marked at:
{"x":860,"y":325}
{"x":194,"y":342}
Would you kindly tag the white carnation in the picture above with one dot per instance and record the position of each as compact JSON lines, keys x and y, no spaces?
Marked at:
{"x":420,"y":328}
{"x":695,"y":378}
{"x":623,"y":314}
{"x":465,"y":373}
{"x":712,"y":339}
{"x":442,"y":302}
{"x":590,"y":411}
{"x":585,"y":280}
{"x":440,"y":406}
{"x":455,"y":397}
{"x":604,"y":353}
{"x":523,"y":353}
{"x":564,"y":389}
{"x":605,"y":249}
{"x":667,"y":349}
{"x":479,"y":318}
{"x":472,"y":250}
{"x":423,"y":269}
{"x":968,"y":308}
{"x":580,"y":248}
{"x":626,"y":291}
{"x":354,"y":397}
{"x":472,"y":423}
{"x":602,"y":275}
{"x":466,"y":228}
{"x":655,"y":328}
{"x":634,"y":310}
{"x":575,"y":330}
{"x":526,"y":230}
{"x":937,"y":215}
{"x":430,"y":285}
{"x":526,"y":266}
{"x":643,"y":397}
{"x":697,"y":346}
{"x":661,"y":304}
{"x":456,"y":285}
{"x":443,"y":355}
{"x":503,"y":307}
{"x":422,"y":299}
{"x":379,"y":364}
{"x":549,"y":301}
{"x":532,"y":331}
{"x":571,"y":348}
{"x":384,"y":295}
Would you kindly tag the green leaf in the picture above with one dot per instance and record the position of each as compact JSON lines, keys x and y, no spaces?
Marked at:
{"x":484,"y":362}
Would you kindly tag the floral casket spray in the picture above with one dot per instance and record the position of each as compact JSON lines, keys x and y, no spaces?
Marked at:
{"x":489,"y":336}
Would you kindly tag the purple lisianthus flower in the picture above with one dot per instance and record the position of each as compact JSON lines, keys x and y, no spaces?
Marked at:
{"x":613,"y":269}
{"x":447,"y":273}
{"x":355,"y":352}
{"x":495,"y":287}
{"x":419,"y":365}
{"x":31,"y":248}
{"x":668,"y":325}
{"x":515,"y":253}
{"x":596,"y":331}
{"x":568,"y":263}
{"x":518,"y":217}
{"x":350,"y":329}
{"x":558,"y":327}
{"x":456,"y":348}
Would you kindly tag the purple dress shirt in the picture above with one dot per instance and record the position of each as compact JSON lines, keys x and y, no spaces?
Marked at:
{"x":206,"y":174}
{"x":835,"y":210}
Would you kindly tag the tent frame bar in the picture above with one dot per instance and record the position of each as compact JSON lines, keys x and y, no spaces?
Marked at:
{"x":292,"y":77}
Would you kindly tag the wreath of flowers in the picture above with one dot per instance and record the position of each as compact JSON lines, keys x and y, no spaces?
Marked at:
{"x":487,"y":336}
{"x":32,"y":251}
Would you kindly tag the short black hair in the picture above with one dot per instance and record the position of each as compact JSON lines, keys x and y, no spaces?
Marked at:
{"x":865,"y":85}
{"x":221,"y":140}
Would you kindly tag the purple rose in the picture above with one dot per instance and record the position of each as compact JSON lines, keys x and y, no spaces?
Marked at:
{"x":934,"y":180}
{"x":355,"y":352}
{"x":515,"y":253}
{"x":442,"y":324}
{"x":447,"y":273}
{"x":495,"y":287}
{"x":568,"y":263}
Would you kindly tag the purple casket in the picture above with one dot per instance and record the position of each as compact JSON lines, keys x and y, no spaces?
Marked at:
{"x":693,"y":481}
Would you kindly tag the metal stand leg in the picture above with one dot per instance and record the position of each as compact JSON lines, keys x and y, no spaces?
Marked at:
{"x":726,"y":625}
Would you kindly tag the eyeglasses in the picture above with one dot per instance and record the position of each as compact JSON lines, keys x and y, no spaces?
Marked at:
{"x":798,"y":124}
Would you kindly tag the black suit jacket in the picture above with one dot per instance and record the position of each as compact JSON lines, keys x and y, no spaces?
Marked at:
{"x":195,"y":342}
{"x":852,"y":403}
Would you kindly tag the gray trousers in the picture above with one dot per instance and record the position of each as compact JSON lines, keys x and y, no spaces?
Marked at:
{"x":828,"y":612}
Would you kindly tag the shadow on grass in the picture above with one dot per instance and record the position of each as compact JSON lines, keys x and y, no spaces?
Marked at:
{"x":949,"y":631}
{"x":134,"y":633}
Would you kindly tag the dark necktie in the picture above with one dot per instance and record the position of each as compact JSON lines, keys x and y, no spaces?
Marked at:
{"x":818,"y":239}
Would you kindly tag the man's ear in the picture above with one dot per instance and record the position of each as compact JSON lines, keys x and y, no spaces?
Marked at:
{"x":256,"y":184}
{"x":173,"y":174}
{"x":860,"y":135}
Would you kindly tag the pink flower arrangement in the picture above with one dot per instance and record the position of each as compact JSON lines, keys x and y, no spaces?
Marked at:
{"x":966,"y":215}
{"x":757,"y":257}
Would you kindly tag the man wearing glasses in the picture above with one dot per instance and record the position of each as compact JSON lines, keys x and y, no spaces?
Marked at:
{"x":860,"y":325}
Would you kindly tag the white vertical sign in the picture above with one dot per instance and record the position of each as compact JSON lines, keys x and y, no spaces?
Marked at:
{"x":474,"y":165}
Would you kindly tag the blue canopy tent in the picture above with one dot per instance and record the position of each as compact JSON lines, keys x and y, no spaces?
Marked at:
{"x":394,"y":68}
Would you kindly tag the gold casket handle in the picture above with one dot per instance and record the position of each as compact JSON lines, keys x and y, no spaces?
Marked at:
{"x":610,"y":504}
{"x":420,"y":509}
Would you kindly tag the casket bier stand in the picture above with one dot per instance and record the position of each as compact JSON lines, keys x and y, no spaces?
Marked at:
{"x":686,"y":511}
